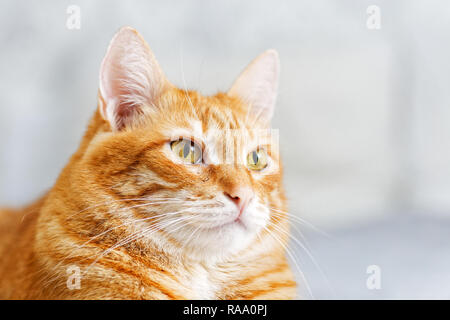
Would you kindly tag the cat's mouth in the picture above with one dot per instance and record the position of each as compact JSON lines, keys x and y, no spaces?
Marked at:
{"x":237,"y":222}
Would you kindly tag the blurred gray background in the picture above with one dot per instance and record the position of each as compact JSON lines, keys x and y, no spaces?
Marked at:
{"x":364,"y":117}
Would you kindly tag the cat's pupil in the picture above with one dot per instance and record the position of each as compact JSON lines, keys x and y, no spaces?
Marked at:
{"x":255,"y":157}
{"x":186,"y":149}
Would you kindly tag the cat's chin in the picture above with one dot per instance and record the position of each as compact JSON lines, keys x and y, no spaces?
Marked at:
{"x":223,"y":240}
{"x":227,"y":225}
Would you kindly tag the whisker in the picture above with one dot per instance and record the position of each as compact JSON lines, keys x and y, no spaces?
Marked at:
{"x":133,"y":237}
{"x":124,"y":224}
{"x":308,"y":252}
{"x":122,"y":200}
{"x":299,"y":220}
{"x":293,"y":258}
{"x":184,"y":84}
{"x":157,"y":218}
{"x":190,"y":237}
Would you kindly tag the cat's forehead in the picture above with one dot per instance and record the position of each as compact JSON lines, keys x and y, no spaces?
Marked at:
{"x":203,"y":114}
{"x":191,"y":109}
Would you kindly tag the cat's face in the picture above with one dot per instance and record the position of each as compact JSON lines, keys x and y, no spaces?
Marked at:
{"x":202,"y":174}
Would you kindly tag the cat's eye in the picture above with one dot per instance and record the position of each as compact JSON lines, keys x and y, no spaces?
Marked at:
{"x":257,"y":160}
{"x":187,"y":150}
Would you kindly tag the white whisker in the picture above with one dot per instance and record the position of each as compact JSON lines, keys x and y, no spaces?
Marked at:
{"x":293,"y":258}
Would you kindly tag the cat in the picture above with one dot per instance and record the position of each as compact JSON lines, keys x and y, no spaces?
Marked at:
{"x":146,"y":208}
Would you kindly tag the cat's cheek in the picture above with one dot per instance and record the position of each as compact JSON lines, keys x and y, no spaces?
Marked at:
{"x":256,"y":217}
{"x":197,"y":169}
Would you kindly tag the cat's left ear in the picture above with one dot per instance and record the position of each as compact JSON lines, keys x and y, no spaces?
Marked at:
{"x":257,"y":85}
{"x":130,"y":79}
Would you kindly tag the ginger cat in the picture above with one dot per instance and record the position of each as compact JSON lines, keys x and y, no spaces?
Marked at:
{"x":147,"y":208}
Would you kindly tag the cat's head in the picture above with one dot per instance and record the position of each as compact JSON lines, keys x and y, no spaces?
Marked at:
{"x":200,"y":174}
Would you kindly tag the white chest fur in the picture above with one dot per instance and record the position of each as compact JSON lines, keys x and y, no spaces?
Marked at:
{"x":201,"y":285}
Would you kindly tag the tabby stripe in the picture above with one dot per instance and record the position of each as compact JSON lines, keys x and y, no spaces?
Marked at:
{"x":214,"y":117}
{"x":250,"y":279}
{"x":106,"y":247}
{"x":120,"y":269}
{"x":273,"y":287}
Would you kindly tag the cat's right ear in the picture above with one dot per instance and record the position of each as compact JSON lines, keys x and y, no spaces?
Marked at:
{"x":130,"y":79}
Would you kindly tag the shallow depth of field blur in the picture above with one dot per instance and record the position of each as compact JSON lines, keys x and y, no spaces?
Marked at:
{"x":363,"y":114}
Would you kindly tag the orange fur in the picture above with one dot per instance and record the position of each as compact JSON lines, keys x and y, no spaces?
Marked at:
{"x":87,"y":210}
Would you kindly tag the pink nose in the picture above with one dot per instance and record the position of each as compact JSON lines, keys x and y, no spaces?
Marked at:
{"x":241,"y":196}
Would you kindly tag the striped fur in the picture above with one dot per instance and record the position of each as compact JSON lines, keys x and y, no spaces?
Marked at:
{"x":112,"y":212}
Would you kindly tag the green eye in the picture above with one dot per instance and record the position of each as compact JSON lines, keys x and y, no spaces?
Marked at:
{"x":187,"y":150}
{"x":257,"y":160}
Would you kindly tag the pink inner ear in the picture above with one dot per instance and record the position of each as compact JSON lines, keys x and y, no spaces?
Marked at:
{"x":130,"y":78}
{"x":112,"y":86}
{"x":112,"y":69}
{"x":258,"y":84}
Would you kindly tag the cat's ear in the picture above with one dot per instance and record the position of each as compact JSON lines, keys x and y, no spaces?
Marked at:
{"x":257,"y":85}
{"x":130,"y":78}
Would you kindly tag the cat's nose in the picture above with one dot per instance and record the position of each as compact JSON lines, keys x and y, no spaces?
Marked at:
{"x":241,"y":196}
